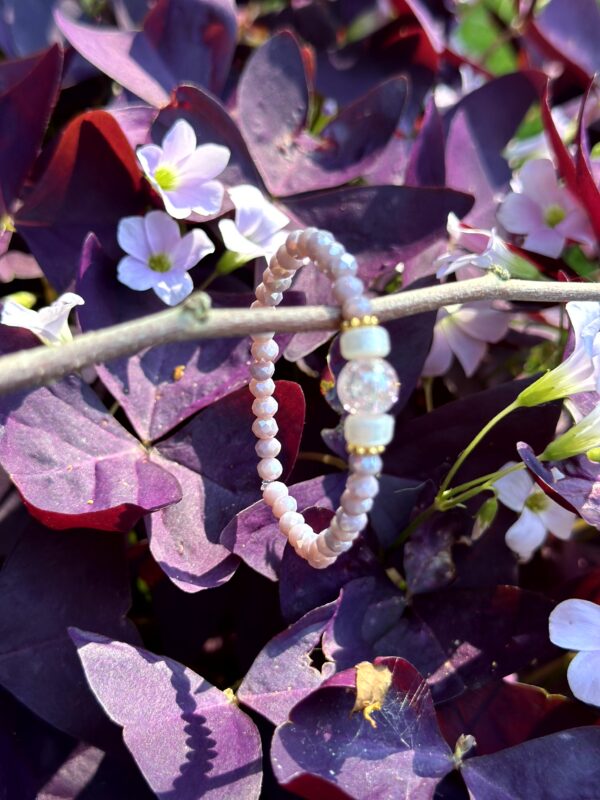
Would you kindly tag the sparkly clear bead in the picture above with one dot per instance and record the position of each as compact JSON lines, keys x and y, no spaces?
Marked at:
{"x":368,"y":385}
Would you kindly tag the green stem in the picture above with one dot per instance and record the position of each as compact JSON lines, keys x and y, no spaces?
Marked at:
{"x":462,"y":498}
{"x":473,"y":444}
{"x":491,"y":477}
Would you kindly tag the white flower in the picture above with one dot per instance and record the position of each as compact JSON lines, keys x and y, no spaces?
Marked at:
{"x":575,"y":625}
{"x":538,"y":513}
{"x":183,"y":173}
{"x":49,"y":324}
{"x":158,"y":256}
{"x":258,"y":226}
{"x":464,"y":331}
{"x":580,"y":372}
{"x":582,"y":437}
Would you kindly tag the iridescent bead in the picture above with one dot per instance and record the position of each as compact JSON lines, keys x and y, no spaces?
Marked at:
{"x":357,"y":307}
{"x":269,"y":469}
{"x":367,"y":385}
{"x":288,"y":520}
{"x":262,"y":388}
{"x":347,"y":287}
{"x":365,"y":465}
{"x":264,"y":407}
{"x":265,"y":351}
{"x":264,"y":428}
{"x":363,"y":486}
{"x":267,"y":448}
{"x":261,"y":370}
{"x":284,"y":504}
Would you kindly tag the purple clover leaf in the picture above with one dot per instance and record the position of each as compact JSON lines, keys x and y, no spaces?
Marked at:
{"x":183,"y":173}
{"x":188,"y":738}
{"x":158,"y":257}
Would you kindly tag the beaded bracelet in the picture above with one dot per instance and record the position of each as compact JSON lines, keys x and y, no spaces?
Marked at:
{"x":367,"y":387}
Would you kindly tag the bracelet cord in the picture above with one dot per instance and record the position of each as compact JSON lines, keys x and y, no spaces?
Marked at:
{"x":367,"y":387}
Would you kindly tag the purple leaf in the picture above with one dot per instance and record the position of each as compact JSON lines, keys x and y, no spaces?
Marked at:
{"x":578,"y":491}
{"x":273,"y":104}
{"x":551,"y":768}
{"x":28,"y":92}
{"x":74,"y":465}
{"x":181,"y":41}
{"x":570,"y":30}
{"x":428,"y":562}
{"x":213,"y":458}
{"x":426,"y":165}
{"x":326,"y":750}
{"x":188,"y":738}
{"x":254,"y":534}
{"x":504,"y":714}
{"x":282,"y":673}
{"x":456,"y":638}
{"x":82,"y":578}
{"x":366,"y":220}
{"x":212,"y":123}
{"x":164,"y":385}
{"x":28,"y":26}
{"x":62,"y":208}
{"x":135,"y":122}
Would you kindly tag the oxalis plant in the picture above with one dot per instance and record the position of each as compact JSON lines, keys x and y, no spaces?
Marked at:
{"x":159,"y":636}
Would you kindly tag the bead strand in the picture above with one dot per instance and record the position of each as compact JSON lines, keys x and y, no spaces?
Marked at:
{"x":367,"y":387}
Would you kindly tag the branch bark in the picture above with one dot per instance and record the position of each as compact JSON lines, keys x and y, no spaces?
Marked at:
{"x":194,"y":319}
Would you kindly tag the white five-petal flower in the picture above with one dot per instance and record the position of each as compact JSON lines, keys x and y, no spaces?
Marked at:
{"x":575,"y":625}
{"x":158,"y":257}
{"x":49,"y":324}
{"x":539,"y":514}
{"x":183,"y":173}
{"x":258,"y":226}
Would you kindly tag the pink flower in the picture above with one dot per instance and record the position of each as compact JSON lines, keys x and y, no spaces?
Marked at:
{"x":544,"y":212}
{"x":158,"y":256}
{"x":575,"y":625}
{"x":183,"y":173}
{"x":464,"y":331}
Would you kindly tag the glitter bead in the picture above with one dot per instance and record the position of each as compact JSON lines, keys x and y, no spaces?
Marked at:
{"x":368,"y":385}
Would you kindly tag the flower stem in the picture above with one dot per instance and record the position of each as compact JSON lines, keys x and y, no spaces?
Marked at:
{"x":412,"y":527}
{"x":491,"y":477}
{"x":473,"y":444}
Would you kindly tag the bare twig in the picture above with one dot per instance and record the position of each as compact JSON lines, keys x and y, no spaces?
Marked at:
{"x":194,"y":320}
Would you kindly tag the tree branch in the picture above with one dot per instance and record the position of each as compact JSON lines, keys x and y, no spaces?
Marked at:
{"x":193,"y":319}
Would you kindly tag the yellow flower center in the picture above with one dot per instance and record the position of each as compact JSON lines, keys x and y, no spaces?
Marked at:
{"x":553,"y":215}
{"x":536,"y":502}
{"x":166,"y":178}
{"x":159,"y":262}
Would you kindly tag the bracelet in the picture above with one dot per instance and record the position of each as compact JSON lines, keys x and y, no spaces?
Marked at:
{"x":367,"y":387}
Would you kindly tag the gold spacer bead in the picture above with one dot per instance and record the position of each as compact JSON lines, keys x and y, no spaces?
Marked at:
{"x":359,"y":322}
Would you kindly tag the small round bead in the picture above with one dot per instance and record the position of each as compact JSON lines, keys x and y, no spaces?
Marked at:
{"x":347,"y":287}
{"x":317,"y":560}
{"x":274,"y":491}
{"x":265,"y":351}
{"x":288,"y":520}
{"x":266,"y":297}
{"x":343,"y":536}
{"x":284,"y":504}
{"x":363,"y":486}
{"x":264,"y":428}
{"x":317,"y":245}
{"x":357,"y":307}
{"x":278,"y":272}
{"x":369,"y":430}
{"x":269,"y":469}
{"x":264,"y":407}
{"x":292,"y":242}
{"x":299,"y":532}
{"x":267,"y":448}
{"x":365,"y":465}
{"x":286,"y":261}
{"x":353,"y":505}
{"x":304,"y":238}
{"x":371,"y":341}
{"x":343,"y":265}
{"x":262,"y":337}
{"x":322,"y":546}
{"x":278,"y":284}
{"x":350,"y":523}
{"x":261,"y":370}
{"x":262,"y":388}
{"x":336,"y":545}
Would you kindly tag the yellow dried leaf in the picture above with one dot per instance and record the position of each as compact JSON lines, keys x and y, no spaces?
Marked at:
{"x":372,"y":683}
